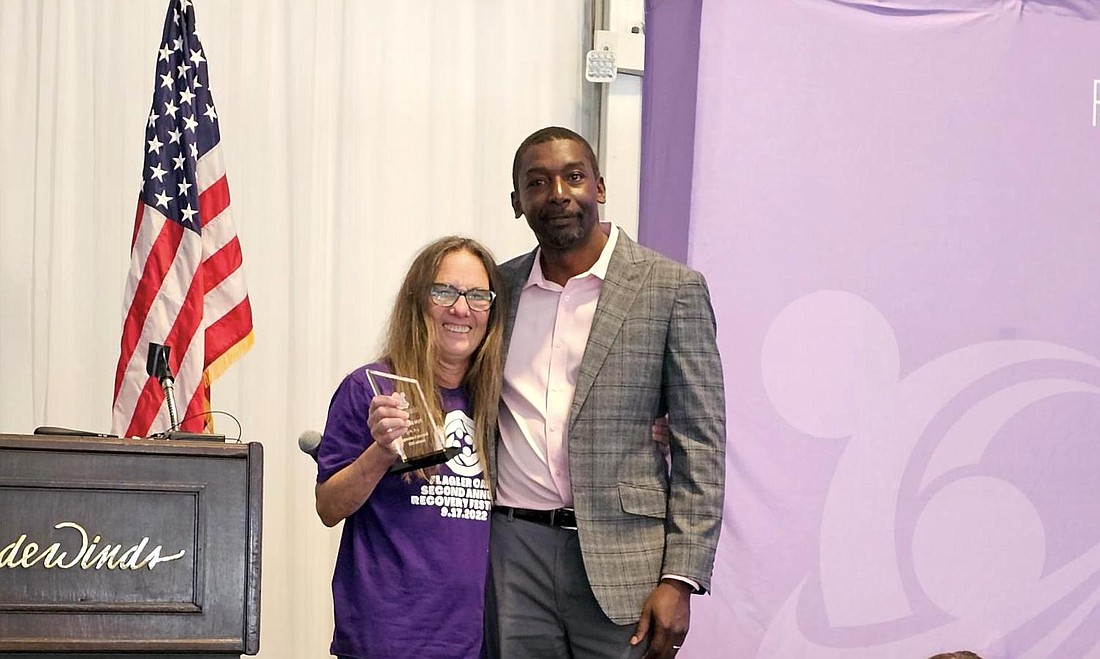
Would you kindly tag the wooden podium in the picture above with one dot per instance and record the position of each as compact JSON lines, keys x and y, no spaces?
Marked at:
{"x":137,"y":548}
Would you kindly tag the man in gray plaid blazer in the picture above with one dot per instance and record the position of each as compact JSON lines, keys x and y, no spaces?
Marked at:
{"x":597,"y":541}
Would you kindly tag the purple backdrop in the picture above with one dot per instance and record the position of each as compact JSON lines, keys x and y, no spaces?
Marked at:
{"x":668,"y":125}
{"x":895,"y":204}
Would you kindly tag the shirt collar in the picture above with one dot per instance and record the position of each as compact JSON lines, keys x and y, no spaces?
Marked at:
{"x":598,"y":269}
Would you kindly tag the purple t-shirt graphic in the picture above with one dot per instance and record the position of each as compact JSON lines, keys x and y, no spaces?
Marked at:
{"x":410,"y":575}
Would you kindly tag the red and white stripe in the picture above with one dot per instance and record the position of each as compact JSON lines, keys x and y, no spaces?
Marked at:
{"x":187,"y":292}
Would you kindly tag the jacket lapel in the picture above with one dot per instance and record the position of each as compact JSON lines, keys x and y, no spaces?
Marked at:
{"x":625,"y":273}
{"x":515,"y":276}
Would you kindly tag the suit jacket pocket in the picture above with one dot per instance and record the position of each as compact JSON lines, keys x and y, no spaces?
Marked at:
{"x":640,"y":500}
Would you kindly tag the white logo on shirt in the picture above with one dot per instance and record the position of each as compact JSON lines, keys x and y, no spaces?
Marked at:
{"x":458,"y":429}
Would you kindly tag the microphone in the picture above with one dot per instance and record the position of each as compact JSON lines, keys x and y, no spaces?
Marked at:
{"x":309,"y":442}
{"x":69,"y":432}
{"x":156,"y":365}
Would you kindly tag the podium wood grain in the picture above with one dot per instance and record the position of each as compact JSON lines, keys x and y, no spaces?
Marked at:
{"x":111,"y":503}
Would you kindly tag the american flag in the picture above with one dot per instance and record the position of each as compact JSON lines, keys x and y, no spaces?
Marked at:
{"x":185,"y":287}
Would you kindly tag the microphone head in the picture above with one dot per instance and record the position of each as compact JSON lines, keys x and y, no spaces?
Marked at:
{"x":309,"y":441}
{"x":156,"y":362}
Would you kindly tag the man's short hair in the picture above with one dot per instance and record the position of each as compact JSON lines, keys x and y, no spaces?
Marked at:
{"x":549,"y":134}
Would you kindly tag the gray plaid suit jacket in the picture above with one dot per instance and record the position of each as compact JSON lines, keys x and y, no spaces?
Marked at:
{"x":652,"y":350}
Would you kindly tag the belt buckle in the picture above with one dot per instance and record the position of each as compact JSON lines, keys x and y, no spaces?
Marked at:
{"x":563,"y":526}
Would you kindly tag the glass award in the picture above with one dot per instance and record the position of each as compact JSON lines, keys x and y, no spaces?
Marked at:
{"x":423,"y":444}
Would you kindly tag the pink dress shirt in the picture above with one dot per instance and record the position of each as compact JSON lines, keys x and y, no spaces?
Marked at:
{"x":540,"y":376}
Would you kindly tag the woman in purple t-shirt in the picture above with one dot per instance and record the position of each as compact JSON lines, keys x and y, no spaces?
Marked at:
{"x":410,"y":574}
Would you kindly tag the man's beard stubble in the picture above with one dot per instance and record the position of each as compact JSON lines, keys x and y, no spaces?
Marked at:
{"x":560,"y":238}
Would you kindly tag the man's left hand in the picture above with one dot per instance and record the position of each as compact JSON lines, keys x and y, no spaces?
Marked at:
{"x":665,"y":619}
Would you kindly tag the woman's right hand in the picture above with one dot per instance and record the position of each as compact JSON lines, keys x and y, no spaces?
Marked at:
{"x":388,"y":420}
{"x":344,"y":493}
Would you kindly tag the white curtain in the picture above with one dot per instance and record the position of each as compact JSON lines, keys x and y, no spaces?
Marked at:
{"x":353,"y":133}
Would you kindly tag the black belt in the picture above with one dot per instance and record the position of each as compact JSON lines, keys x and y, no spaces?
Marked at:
{"x":563,"y":518}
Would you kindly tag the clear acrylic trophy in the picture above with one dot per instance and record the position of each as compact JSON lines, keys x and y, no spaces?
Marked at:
{"x":423,"y":444}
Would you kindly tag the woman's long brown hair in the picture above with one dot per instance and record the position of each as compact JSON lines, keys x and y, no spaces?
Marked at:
{"x":410,"y":341}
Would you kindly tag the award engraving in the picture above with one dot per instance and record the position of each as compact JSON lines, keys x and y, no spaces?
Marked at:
{"x":423,"y":444}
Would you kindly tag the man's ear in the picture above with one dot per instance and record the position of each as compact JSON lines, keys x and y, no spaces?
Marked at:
{"x":601,"y":192}
{"x":515,"y":204}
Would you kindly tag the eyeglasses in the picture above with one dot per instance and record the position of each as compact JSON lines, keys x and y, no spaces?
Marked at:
{"x":478,"y":299}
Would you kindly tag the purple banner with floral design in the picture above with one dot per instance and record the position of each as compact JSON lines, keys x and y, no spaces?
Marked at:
{"x":897,"y":207}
